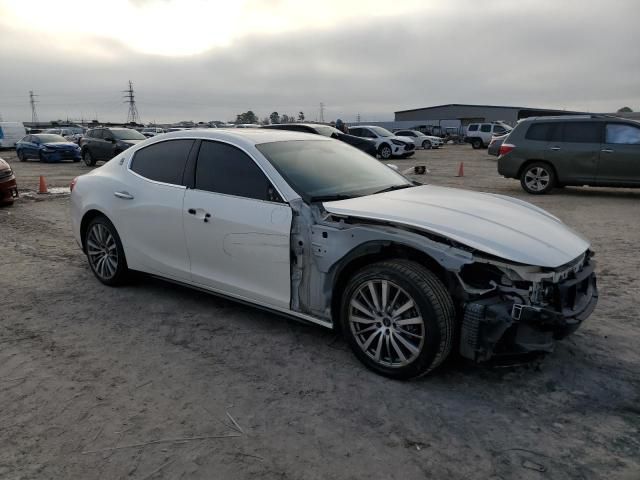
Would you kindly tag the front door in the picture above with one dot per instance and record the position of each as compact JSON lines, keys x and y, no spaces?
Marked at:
{"x":573,"y":150}
{"x":619,"y":162}
{"x":237,"y":228}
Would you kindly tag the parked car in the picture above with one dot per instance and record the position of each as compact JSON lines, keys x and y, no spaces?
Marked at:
{"x":421,"y":140}
{"x":364,"y":144}
{"x":152,"y":131}
{"x":73,"y":134}
{"x":8,"y":186}
{"x":597,"y":150}
{"x":11,"y":133}
{"x":495,"y":144}
{"x":387,"y":144}
{"x":105,"y":143}
{"x":47,"y":147}
{"x":479,"y":134}
{"x":313,"y":229}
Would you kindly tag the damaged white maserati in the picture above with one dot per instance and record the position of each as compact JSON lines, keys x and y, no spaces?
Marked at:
{"x":315,"y":229}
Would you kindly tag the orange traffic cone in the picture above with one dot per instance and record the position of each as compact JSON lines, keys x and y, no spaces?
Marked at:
{"x":43,"y":185}
{"x":461,"y":170}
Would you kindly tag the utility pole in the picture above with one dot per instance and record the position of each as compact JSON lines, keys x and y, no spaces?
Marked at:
{"x":33,"y":101}
{"x":358,"y":118}
{"x":132,"y":116}
{"x":321,"y":112}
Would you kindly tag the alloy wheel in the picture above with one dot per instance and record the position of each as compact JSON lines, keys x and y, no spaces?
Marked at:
{"x":102,"y":251}
{"x":386,"y":323}
{"x":537,"y":179}
{"x":385,"y":152}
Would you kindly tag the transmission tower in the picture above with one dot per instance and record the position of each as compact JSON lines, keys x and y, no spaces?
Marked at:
{"x":133,"y":116}
{"x":321,"y":112}
{"x":33,"y":101}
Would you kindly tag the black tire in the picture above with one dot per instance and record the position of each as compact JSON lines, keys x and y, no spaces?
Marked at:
{"x":89,"y":161}
{"x":431,"y":303}
{"x":21,"y":156}
{"x":119,"y":274}
{"x":476,"y":143}
{"x":385,"y":151}
{"x":426,"y":145}
{"x":538,"y":178}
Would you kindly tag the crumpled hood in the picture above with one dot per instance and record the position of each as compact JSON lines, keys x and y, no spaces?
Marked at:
{"x":498,"y":225}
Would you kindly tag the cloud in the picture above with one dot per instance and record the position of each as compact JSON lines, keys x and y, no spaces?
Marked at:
{"x":537,"y":54}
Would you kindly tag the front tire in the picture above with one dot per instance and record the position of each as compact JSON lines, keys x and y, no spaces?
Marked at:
{"x":398,"y":318}
{"x":538,"y":178}
{"x":426,"y":145}
{"x":385,"y":152}
{"x":476,"y":143}
{"x":104,"y":252}
{"x":89,"y":161}
{"x":21,"y":156}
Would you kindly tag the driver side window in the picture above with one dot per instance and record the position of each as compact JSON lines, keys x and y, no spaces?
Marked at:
{"x":225,"y":169}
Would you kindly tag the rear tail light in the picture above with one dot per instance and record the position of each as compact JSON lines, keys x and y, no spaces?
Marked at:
{"x":73,"y":184}
{"x":506,"y":148}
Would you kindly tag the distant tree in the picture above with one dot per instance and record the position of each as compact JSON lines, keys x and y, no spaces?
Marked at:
{"x":624,"y":110}
{"x":247,"y":117}
{"x":274,"y":117}
{"x":301,"y":116}
{"x":286,"y":118}
{"x":266,"y":121}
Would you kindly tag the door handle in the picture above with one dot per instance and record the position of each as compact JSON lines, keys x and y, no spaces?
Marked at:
{"x":607,"y":150}
{"x":123,"y":195}
{"x":205,"y":218}
{"x":192,"y":211}
{"x":555,"y":149}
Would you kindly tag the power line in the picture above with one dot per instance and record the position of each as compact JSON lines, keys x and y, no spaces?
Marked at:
{"x":132,"y":116}
{"x":33,"y":101}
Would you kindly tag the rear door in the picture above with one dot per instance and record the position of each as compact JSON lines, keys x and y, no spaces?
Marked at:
{"x":237,"y":228}
{"x":573,"y":149}
{"x":149,"y":209}
{"x":619,"y":161}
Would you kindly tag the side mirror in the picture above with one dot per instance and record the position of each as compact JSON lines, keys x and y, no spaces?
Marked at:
{"x":110,"y":139}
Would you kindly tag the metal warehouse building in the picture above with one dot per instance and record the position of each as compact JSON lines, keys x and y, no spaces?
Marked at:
{"x":466,"y":114}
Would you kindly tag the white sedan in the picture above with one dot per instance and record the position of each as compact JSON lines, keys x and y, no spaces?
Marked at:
{"x":315,"y":229}
{"x":421,"y":140}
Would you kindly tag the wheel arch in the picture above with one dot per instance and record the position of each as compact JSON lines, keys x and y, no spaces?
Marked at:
{"x":530,"y":161}
{"x":376,"y":251}
{"x":84,"y":224}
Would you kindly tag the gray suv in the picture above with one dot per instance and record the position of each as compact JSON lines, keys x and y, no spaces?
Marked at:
{"x":548,"y":152}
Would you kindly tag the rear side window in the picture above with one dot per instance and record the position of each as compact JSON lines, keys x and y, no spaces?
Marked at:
{"x":473,"y":128}
{"x":620,"y":133}
{"x":581,"y":132}
{"x":163,"y":162}
{"x":226,"y":169}
{"x":499,"y":130}
{"x":485,"y":128}
{"x":540,"y":131}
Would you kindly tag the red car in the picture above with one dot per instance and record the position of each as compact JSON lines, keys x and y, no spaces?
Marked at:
{"x":8,"y":186}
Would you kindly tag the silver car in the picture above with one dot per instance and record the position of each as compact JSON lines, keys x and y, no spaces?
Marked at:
{"x":315,"y":229}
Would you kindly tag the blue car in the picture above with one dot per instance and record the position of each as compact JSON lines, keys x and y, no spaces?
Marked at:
{"x":47,"y":147}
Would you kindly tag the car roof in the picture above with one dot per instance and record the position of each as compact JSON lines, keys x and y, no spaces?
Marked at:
{"x":246,"y":136}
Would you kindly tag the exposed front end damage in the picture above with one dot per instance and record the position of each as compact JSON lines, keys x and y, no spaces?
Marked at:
{"x":524,"y":309}
{"x":503,"y":307}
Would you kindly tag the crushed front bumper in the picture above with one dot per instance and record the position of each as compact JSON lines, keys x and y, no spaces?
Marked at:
{"x":495,"y":327}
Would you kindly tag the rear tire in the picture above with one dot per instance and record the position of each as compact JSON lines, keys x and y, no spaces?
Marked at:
{"x":476,"y":143}
{"x":411,"y":318}
{"x":89,"y":161}
{"x":104,"y":252}
{"x":538,"y":178}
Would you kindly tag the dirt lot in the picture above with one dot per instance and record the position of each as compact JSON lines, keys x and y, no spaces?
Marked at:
{"x":97,"y":382}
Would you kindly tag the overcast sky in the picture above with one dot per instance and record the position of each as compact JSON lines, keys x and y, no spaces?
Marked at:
{"x":209,"y":60}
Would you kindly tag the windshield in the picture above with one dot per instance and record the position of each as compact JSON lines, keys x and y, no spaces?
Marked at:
{"x":50,"y":138}
{"x":126,"y":134}
{"x":383,"y":132}
{"x":320,"y":169}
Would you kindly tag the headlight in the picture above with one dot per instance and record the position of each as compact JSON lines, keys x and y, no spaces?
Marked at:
{"x":397,"y":142}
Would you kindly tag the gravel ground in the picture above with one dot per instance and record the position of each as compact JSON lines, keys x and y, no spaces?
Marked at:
{"x":158,"y":381}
